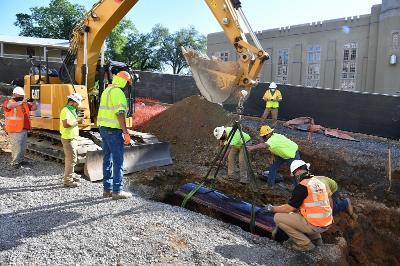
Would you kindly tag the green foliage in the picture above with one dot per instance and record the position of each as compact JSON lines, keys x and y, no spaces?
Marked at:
{"x":171,"y":49}
{"x":119,"y":38}
{"x":55,"y":21}
{"x":142,"y":50}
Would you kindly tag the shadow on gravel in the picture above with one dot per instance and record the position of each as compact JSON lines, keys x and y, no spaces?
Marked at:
{"x":258,"y":255}
{"x":30,"y":188}
{"x":15,"y":228}
{"x":32,"y":222}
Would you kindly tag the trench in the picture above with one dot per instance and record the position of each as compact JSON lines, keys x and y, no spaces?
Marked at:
{"x":372,"y":239}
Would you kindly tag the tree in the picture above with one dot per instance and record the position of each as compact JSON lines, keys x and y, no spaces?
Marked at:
{"x":142,"y":50}
{"x":55,"y":21}
{"x":171,"y":49}
{"x":119,"y":38}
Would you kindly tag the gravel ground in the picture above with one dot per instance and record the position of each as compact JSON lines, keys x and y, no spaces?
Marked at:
{"x":42,"y":223}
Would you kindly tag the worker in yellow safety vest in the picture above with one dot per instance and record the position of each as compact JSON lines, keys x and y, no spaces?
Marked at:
{"x":114,"y":133}
{"x":69,"y":130}
{"x":236,"y":148}
{"x":272,"y":97}
{"x":283,"y":149}
{"x":308,"y":212}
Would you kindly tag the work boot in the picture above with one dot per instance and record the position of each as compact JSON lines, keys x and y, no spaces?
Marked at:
{"x":72,"y":185}
{"x":16,"y":166}
{"x":317,"y":242}
{"x":244,"y":180}
{"x":107,"y":194}
{"x":306,"y":248}
{"x":121,"y":195}
{"x":76,"y":177}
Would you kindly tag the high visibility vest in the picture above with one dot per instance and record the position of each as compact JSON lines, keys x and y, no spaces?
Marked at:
{"x":237,"y":139}
{"x":315,"y":207}
{"x":112,"y":101}
{"x":281,"y":146}
{"x":15,"y":118}
{"x":268,"y":97}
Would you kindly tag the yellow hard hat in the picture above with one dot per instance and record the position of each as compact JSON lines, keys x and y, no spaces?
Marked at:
{"x":265,"y":130}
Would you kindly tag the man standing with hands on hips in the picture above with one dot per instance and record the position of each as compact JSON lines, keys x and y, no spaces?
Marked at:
{"x":114,"y":134}
{"x":272,"y":97}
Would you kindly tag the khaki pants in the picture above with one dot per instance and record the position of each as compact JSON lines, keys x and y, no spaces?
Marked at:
{"x":274,"y":115}
{"x":18,"y":146}
{"x":297,"y":228}
{"x":70,"y":159}
{"x":233,"y":152}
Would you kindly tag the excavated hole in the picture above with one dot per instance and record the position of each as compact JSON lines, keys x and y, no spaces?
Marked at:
{"x":372,"y":239}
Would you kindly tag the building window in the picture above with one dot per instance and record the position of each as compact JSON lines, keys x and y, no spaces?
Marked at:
{"x":396,"y":41}
{"x":283,"y":64}
{"x":224,"y":56}
{"x":349,"y":68}
{"x":313,"y":66}
{"x":30,"y":51}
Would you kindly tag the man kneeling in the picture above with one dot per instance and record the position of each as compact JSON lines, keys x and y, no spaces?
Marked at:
{"x":310,"y":197}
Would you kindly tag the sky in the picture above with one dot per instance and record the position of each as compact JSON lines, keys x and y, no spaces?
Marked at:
{"x":177,"y":14}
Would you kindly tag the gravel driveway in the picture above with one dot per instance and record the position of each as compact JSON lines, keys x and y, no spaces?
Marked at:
{"x":42,"y":223}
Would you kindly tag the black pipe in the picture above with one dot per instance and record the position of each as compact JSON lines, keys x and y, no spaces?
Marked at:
{"x":235,"y":210}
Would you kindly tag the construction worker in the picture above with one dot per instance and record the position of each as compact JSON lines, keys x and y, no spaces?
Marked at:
{"x":236,"y":148}
{"x":283,"y":149}
{"x":308,"y":212}
{"x":114,"y":134}
{"x":17,"y":124}
{"x":339,"y":204}
{"x":272,"y":97}
{"x":69,"y":133}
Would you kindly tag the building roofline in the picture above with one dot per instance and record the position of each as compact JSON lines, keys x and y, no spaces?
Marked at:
{"x":33,"y":41}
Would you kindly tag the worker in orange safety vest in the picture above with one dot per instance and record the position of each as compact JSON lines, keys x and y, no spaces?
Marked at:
{"x":308,"y":212}
{"x":17,"y":124}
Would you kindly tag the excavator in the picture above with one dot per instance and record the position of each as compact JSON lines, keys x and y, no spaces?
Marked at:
{"x":85,"y":62}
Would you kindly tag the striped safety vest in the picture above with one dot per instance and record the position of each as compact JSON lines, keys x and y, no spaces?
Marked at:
{"x":111,"y":102}
{"x":315,"y":207}
{"x":15,"y":118}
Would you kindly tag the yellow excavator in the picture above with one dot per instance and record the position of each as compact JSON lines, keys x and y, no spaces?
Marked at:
{"x":217,"y":81}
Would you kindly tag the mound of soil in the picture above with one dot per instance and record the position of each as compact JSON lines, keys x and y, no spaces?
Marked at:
{"x":188,"y":125}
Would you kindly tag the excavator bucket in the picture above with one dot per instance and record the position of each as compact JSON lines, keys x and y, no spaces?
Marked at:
{"x":136,"y":158}
{"x":217,"y":80}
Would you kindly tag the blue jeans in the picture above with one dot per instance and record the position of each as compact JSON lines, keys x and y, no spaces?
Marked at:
{"x":278,"y":162}
{"x":113,"y":159}
{"x":339,"y":205}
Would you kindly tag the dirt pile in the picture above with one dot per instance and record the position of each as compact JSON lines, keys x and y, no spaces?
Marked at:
{"x":188,"y":126}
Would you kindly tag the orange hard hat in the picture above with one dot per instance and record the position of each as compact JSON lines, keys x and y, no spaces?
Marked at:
{"x":126,"y":76}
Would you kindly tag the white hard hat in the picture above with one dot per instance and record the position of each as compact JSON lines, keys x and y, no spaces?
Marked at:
{"x":218,"y":132}
{"x":297,"y":164}
{"x":19,"y":91}
{"x":76,"y":97}
{"x":244,"y":93}
{"x":272,"y":85}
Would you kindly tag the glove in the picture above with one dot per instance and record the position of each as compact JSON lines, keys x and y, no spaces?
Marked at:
{"x":127,"y":138}
{"x":268,"y":208}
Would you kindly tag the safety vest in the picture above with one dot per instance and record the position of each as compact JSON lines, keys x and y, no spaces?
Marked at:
{"x":15,"y":118}
{"x":315,"y":207}
{"x":268,"y":97}
{"x":281,"y":146}
{"x":112,"y":101}
{"x":237,"y":139}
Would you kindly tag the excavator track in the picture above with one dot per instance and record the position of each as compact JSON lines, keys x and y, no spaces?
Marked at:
{"x":48,"y":144}
{"x":144,"y":152}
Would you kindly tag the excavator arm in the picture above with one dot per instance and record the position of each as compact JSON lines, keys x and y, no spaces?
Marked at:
{"x":216,"y":80}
